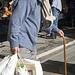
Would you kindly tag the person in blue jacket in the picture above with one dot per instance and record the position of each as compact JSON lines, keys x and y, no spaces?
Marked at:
{"x":24,"y":26}
{"x":56,"y":8}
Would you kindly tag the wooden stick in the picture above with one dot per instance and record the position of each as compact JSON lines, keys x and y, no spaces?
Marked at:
{"x":65,"y":56}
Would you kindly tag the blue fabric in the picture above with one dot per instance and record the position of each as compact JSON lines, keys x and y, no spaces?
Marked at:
{"x":24,"y":24}
{"x":57,"y":4}
{"x":56,"y":14}
{"x":51,"y":29}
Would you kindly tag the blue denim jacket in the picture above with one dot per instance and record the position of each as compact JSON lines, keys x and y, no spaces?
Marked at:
{"x":24,"y":24}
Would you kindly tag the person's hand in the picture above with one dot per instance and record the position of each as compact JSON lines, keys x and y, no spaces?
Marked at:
{"x":14,"y":50}
{"x":61,"y":33}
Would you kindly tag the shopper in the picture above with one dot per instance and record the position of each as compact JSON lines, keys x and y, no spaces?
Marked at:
{"x":24,"y":26}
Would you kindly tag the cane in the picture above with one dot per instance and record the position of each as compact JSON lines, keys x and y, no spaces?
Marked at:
{"x":65,"y":55}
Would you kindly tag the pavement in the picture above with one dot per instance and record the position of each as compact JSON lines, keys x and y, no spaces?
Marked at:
{"x":45,"y":41}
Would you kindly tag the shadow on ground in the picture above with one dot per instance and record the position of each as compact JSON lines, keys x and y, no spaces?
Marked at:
{"x":3,"y":37}
{"x":2,"y":56}
{"x":58,"y":67}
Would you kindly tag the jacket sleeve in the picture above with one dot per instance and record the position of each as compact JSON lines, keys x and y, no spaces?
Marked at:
{"x":15,"y":23}
{"x":52,"y":28}
{"x":55,"y":29}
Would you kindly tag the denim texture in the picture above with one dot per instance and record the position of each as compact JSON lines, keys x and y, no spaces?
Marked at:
{"x":56,"y":14}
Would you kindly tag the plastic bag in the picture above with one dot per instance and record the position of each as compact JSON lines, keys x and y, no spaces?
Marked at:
{"x":33,"y":67}
{"x":3,"y":63}
{"x":21,"y":70}
{"x":10,"y":65}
